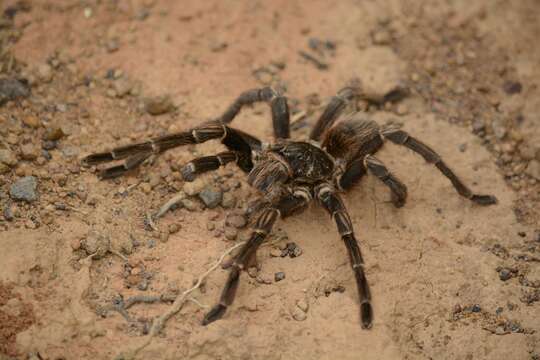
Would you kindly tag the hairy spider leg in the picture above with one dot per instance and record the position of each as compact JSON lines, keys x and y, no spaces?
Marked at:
{"x":333,"y":204}
{"x":276,"y":101}
{"x":401,"y":137}
{"x":287,"y":205}
{"x":234,"y":140}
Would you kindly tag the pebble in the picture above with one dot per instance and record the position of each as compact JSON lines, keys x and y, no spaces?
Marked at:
{"x":228,"y":201}
{"x":476,"y":308}
{"x":29,"y":151}
{"x":190,"y":205}
{"x":402,"y":109}
{"x":53,"y":133}
{"x":96,"y":243}
{"x":112,"y":45}
{"x":512,"y":87}
{"x":7,"y":157}
{"x":279,"y":276}
{"x":505,"y":274}
{"x":211,"y":196}
{"x":31,"y":121}
{"x":174,"y":228}
{"x":159,"y":105}
{"x":24,"y":189}
{"x":237,"y":221}
{"x":194,"y":187}
{"x":298,"y":314}
{"x":45,"y":73}
{"x":292,"y":250}
{"x":231,"y":233}
{"x":11,"y":89}
{"x":275,"y":252}
{"x":122,"y":87}
{"x":210,"y":226}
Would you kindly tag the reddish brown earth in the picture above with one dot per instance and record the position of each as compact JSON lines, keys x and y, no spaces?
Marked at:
{"x":436,"y":266}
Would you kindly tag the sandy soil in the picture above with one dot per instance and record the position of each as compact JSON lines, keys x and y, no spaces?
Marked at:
{"x":450,"y":280}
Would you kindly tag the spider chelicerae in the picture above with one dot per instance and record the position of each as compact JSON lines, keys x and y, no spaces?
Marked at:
{"x":289,"y":174}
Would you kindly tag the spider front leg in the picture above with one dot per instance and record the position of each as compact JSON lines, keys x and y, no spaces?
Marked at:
{"x":331,"y":201}
{"x":287,"y":205}
{"x":135,"y":154}
{"x":401,"y":137}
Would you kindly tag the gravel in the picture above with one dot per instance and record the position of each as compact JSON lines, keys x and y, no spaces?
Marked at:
{"x":279,"y":276}
{"x":211,"y":196}
{"x":11,"y":89}
{"x":24,"y":189}
{"x":159,"y":105}
{"x":237,"y":221}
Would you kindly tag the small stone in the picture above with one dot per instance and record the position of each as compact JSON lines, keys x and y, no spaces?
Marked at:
{"x":228,"y":201}
{"x":533,"y":169}
{"x":512,"y":87}
{"x":275,"y":252}
{"x":96,"y":243}
{"x":146,"y":188}
{"x":53,"y":133}
{"x":194,"y":187}
{"x":31,"y":121}
{"x":231,"y":233}
{"x":24,"y":189}
{"x":163,"y":237}
{"x":210,"y":226}
{"x":122,"y":86}
{"x":7,"y":157}
{"x":402,"y":109}
{"x":190,"y":205}
{"x":279,"y":276}
{"x":45,"y":73}
{"x":8,"y":213}
{"x":505,"y":274}
{"x":237,"y":221}
{"x":112,"y":45}
{"x":154,"y":180}
{"x":211,"y":196}
{"x":478,"y":125}
{"x":159,"y":105}
{"x":476,"y":308}
{"x":11,"y":89}
{"x":298,"y":314}
{"x":174,"y":228}
{"x":29,"y":152}
{"x":500,"y":330}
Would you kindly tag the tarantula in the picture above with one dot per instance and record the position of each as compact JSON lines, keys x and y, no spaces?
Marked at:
{"x":289,"y":174}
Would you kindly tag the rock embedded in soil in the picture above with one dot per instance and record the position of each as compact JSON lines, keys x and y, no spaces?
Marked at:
{"x":228,"y":201}
{"x":24,"y":189}
{"x":231,"y":233}
{"x":279,"y":276}
{"x":159,"y":105}
{"x":211,"y":196}
{"x":505,"y":274}
{"x":53,"y":133}
{"x":237,"y":221}
{"x":11,"y":89}
{"x":194,"y":187}
{"x":7,"y":157}
{"x":96,"y":243}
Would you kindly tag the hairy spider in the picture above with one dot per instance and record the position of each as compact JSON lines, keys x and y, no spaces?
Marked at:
{"x":289,"y":174}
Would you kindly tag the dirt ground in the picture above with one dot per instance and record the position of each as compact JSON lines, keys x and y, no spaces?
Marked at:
{"x":449,"y":279}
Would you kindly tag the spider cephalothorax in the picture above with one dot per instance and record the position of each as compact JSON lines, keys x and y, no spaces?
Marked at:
{"x":289,"y":174}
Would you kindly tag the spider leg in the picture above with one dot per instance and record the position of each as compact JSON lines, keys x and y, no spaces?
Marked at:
{"x":335,"y":107}
{"x":209,"y":163}
{"x":278,"y":105}
{"x":331,"y":201}
{"x":268,"y":216}
{"x":135,"y":154}
{"x":353,"y":173}
{"x":398,"y":189}
{"x":401,"y":137}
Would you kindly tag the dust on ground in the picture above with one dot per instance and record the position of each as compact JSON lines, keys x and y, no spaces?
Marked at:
{"x":450,"y":280}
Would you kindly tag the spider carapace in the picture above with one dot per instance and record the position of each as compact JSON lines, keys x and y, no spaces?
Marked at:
{"x":290,"y":174}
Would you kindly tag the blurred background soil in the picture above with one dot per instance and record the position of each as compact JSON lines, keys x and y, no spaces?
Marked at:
{"x":450,"y":280}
